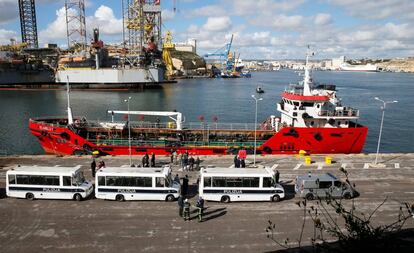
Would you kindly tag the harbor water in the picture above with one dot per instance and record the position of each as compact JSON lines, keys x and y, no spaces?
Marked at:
{"x":227,"y":100}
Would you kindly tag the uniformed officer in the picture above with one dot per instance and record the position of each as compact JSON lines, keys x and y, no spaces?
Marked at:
{"x":186,"y":210}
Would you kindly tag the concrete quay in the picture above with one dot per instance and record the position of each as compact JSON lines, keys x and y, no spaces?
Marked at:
{"x":148,"y":226}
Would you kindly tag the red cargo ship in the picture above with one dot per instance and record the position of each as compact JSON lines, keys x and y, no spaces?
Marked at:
{"x":312,"y":119}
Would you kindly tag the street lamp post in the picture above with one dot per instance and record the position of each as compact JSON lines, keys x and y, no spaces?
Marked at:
{"x":382,"y":122}
{"x":255,"y":128}
{"x":129,"y":133}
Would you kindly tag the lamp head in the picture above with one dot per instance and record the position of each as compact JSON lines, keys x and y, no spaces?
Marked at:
{"x":260,"y":99}
{"x":376,"y":98}
{"x":253,"y":97}
{"x":395,"y":101}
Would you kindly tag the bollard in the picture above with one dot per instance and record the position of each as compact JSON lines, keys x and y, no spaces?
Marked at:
{"x":308,"y":160}
{"x":328,"y":160}
{"x":302,"y":153}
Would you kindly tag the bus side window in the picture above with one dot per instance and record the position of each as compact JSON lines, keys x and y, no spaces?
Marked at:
{"x":219,"y":182}
{"x":67,"y":181}
{"x":110,"y":181}
{"x":144,"y":181}
{"x":207,"y":182}
{"x":12,"y":179}
{"x":101,"y":181}
{"x":22,"y":179}
{"x":159,"y":182}
{"x":267,"y":182}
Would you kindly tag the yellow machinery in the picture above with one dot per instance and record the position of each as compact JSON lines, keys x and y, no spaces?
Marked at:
{"x":13,"y":48}
{"x":166,"y":55}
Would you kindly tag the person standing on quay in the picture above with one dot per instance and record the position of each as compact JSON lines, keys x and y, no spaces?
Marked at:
{"x":146,"y":160}
{"x":187,"y":210}
{"x":197,"y":163}
{"x":277,"y":176}
{"x":180,"y":203}
{"x":93,"y":167}
{"x":184,"y":189}
{"x":152,"y":160}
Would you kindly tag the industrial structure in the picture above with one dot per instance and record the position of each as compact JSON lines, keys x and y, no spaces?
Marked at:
{"x":138,"y":61}
{"x":28,"y":24}
{"x":75,"y":23}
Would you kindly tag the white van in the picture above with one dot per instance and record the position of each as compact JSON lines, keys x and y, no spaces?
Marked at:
{"x":126,"y":183}
{"x":40,"y":182}
{"x":239,"y":184}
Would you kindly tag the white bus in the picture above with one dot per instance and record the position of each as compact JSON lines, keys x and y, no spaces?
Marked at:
{"x":239,"y":184}
{"x":126,"y":183}
{"x":39,"y":182}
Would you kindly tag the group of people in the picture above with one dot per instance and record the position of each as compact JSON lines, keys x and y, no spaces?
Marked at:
{"x":184,"y":208}
{"x":189,"y":163}
{"x":239,"y":162}
{"x":146,"y":160}
{"x":101,"y":164}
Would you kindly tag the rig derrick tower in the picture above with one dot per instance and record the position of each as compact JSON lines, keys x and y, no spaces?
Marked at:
{"x":28,"y":24}
{"x":75,"y":24}
{"x":141,"y":27}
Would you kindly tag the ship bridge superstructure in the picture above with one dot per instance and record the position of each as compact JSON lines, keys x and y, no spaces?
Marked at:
{"x":307,"y":104}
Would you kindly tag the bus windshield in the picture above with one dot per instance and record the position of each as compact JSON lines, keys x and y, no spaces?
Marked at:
{"x":79,"y":179}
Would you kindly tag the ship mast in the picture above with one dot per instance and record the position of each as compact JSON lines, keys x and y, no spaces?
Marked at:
{"x":307,"y":82}
{"x":70,"y":115}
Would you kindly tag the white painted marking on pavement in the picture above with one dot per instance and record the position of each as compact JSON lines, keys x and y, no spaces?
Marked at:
{"x":397,"y":165}
{"x":366,"y":165}
{"x":297,"y":166}
{"x":344,"y":165}
{"x":320,"y":166}
{"x":274,"y":166}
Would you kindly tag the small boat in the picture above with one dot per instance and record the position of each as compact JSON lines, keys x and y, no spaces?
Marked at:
{"x":259,"y":89}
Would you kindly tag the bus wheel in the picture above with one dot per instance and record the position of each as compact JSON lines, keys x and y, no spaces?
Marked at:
{"x":77,"y":197}
{"x":30,"y":196}
{"x":309,"y":196}
{"x":225,"y":199}
{"x":170,"y":198}
{"x":275,"y":198}
{"x":119,"y":197}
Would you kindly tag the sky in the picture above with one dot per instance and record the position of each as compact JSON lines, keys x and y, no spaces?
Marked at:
{"x":262,"y":29}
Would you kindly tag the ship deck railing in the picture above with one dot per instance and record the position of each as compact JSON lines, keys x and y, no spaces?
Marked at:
{"x":165,"y":125}
{"x":345,"y":112}
{"x":186,"y":126}
{"x":170,"y":143}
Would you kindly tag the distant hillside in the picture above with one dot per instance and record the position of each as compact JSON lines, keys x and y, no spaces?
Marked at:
{"x":398,"y":65}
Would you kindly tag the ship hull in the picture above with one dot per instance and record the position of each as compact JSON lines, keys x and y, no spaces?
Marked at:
{"x":61,"y":140}
{"x":108,"y":76}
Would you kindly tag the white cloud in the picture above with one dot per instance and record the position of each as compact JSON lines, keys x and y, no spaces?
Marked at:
{"x":284,"y":22}
{"x":374,"y":9}
{"x":103,"y":18}
{"x":323,"y":19}
{"x":245,"y":7}
{"x":8,"y":11}
{"x":56,"y":29}
{"x":6,"y":35}
{"x":167,"y":15}
{"x":217,"y":24}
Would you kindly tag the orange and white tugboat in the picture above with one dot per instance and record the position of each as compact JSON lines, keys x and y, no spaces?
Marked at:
{"x":312,"y":119}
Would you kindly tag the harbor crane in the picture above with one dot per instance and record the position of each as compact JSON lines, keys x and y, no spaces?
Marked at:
{"x":223,"y":52}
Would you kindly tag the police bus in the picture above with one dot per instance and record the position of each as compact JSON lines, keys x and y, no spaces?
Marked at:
{"x":239,"y":184}
{"x":126,"y":183}
{"x":39,"y":182}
